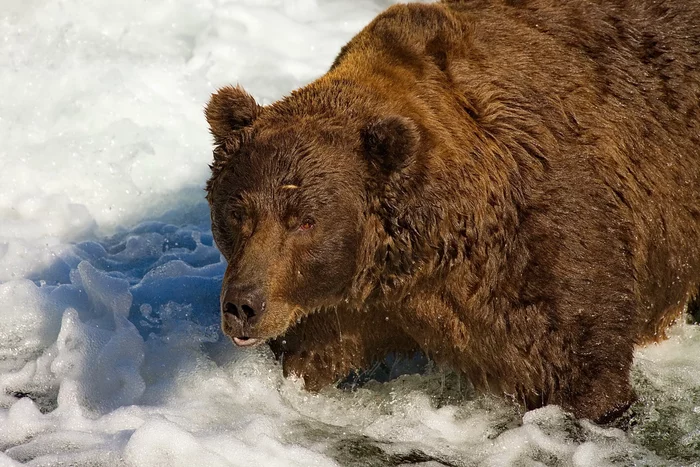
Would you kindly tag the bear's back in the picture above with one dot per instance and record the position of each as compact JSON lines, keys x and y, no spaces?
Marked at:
{"x":588,"y":100}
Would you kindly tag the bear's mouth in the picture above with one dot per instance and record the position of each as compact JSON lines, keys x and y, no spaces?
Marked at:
{"x":245,"y":341}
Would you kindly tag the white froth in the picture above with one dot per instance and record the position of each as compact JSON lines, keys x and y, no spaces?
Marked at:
{"x":110,"y":348}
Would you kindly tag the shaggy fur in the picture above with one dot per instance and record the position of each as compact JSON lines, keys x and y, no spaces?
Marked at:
{"x":511,"y":186}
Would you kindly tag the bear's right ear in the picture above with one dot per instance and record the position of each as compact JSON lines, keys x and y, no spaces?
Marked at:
{"x":229,"y":110}
{"x":391,"y":143}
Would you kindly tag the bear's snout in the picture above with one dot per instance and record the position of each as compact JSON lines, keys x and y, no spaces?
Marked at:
{"x":241,"y":310}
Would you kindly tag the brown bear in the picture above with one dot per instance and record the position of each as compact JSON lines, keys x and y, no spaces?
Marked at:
{"x":510,"y":186}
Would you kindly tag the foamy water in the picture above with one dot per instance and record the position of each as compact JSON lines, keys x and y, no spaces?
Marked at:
{"x":110,"y":348}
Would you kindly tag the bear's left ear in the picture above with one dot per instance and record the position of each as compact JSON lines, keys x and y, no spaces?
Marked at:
{"x":230,"y":110}
{"x":390,"y":143}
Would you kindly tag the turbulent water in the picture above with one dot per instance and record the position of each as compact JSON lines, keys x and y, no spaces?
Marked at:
{"x":110,"y":349}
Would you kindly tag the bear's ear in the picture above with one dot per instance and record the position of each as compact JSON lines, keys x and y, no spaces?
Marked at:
{"x":390,"y":143}
{"x":229,"y":110}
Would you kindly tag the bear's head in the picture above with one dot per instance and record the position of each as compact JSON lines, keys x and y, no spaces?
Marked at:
{"x":292,"y":196}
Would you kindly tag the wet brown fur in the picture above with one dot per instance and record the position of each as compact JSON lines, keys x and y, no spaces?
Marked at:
{"x":511,"y":186}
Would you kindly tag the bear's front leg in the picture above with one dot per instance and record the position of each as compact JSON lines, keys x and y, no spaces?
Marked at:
{"x":568,"y":353}
{"x":326,"y":346}
{"x":602,"y":397}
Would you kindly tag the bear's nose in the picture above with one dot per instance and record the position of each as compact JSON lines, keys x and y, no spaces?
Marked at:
{"x":245,"y":305}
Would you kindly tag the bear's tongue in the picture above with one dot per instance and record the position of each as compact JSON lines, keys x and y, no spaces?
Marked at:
{"x":244,"y":341}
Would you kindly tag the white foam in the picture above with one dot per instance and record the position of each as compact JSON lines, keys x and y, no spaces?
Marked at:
{"x":110,"y":348}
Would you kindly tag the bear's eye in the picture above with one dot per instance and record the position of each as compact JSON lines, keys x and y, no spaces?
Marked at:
{"x":307,"y":225}
{"x":238,"y":216}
